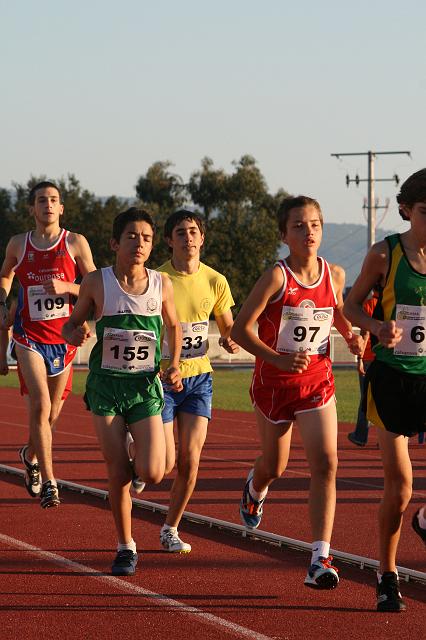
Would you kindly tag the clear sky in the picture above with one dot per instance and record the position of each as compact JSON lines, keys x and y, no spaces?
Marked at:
{"x":103,"y":89}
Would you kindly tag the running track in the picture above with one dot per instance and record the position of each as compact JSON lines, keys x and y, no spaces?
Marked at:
{"x":55,"y":564}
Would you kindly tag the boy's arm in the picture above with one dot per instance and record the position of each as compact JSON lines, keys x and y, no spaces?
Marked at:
{"x":172,"y":374}
{"x":83,"y":256}
{"x":224,"y":323}
{"x":75,"y":330}
{"x":7,"y":274}
{"x":373,"y":272}
{"x":243,"y":329}
{"x":4,"y":342}
{"x":355,"y":342}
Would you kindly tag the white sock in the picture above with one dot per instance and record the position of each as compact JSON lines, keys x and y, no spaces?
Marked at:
{"x":130,"y":546}
{"x":52,"y":482}
{"x":166,"y":527}
{"x":257,"y":495}
{"x":320,"y":549}
{"x":421,"y":518}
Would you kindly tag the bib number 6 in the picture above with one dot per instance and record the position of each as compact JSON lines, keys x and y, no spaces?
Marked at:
{"x":417,"y":334}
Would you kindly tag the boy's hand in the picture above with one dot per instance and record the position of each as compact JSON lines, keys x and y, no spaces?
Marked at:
{"x":55,"y":286}
{"x":172,"y":378}
{"x":360,"y":366}
{"x":355,"y":343}
{"x":389,"y":334}
{"x":4,"y":367}
{"x":292,"y":362}
{"x":4,"y":317}
{"x":78,"y":336}
{"x":229,"y":345}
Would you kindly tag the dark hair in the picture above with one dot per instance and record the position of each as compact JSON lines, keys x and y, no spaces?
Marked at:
{"x":179,"y":216}
{"x":130,"y":215}
{"x":412,"y":190}
{"x":45,"y":184}
{"x":294,"y":202}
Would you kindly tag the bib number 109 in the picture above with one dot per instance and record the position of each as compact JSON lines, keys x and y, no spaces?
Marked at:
{"x":49,"y":304}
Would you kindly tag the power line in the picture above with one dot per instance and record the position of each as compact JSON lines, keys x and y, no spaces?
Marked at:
{"x":371,"y":205}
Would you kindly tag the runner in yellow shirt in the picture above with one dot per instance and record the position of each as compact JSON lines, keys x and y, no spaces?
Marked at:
{"x":199,"y":291}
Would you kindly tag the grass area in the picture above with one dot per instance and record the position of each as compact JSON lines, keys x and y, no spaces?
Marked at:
{"x":230,"y":390}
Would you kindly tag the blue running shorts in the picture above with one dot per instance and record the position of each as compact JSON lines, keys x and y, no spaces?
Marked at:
{"x":195,"y":398}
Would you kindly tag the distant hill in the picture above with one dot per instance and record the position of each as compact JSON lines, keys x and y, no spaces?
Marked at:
{"x":346,"y":244}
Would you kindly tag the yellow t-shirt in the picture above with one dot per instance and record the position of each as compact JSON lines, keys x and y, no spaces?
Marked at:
{"x":196,"y":295}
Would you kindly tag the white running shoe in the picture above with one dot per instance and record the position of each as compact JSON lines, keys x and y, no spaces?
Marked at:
{"x":138,"y":485}
{"x":171,"y":542}
{"x":322,"y":575}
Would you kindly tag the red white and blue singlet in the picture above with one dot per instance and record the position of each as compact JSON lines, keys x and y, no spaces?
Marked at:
{"x":40,"y":316}
{"x":298,"y":318}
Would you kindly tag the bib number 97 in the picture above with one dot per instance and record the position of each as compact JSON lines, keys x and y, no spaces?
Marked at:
{"x":300,"y":333}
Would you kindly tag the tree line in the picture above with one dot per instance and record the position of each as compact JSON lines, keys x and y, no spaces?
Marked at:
{"x":242,"y":237}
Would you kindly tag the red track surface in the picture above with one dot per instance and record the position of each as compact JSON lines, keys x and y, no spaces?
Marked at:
{"x":55,"y":564}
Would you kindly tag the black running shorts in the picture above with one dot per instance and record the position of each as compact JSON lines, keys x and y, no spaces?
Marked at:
{"x":395,"y":400}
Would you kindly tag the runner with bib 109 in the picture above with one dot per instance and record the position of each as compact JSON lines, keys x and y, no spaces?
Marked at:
{"x":48,"y":261}
{"x":295,"y":303}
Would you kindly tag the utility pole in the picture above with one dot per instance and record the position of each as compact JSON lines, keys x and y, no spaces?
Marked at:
{"x":371,"y":180}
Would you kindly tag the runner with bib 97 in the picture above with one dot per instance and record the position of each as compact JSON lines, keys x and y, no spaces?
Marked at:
{"x":295,"y":303}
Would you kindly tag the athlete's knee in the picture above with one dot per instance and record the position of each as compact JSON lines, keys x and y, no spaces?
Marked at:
{"x":152,"y":476}
{"x":325,"y":467}
{"x":151,"y":473}
{"x":187,"y":466}
{"x":54,"y":415}
{"x":398,"y":492}
{"x":40,"y":408}
{"x":273,"y":469}
{"x":170,"y":464}
{"x":118,"y":475}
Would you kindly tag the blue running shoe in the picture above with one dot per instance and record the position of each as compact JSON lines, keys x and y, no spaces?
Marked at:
{"x":251,"y":511}
{"x":322,"y":575}
{"x":125,"y":563}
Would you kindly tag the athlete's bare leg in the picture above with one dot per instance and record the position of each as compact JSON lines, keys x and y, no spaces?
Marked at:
{"x":192,"y":432}
{"x":150,"y":449}
{"x":112,"y":436}
{"x":318,"y":429}
{"x":43,"y":394}
{"x":398,"y":477}
{"x":170,"y":447}
{"x":275,"y":442}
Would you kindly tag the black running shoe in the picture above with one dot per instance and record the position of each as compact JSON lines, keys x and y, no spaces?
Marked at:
{"x":32,"y":477}
{"x":388,"y":594}
{"x":352,"y":438}
{"x":417,"y":528}
{"x":49,"y":496}
{"x":125,"y":563}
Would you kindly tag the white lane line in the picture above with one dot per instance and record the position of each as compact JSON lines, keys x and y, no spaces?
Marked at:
{"x":123,"y":585}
